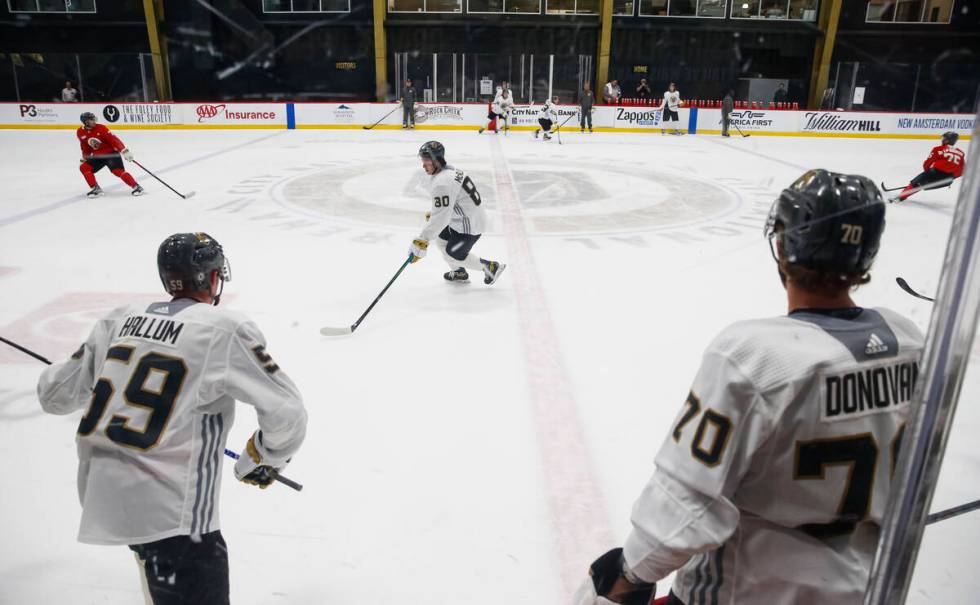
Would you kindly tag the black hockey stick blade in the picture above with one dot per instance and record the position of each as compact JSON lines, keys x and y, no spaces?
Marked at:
{"x":952,"y":512}
{"x":331,"y":331}
{"x":883,"y":188}
{"x":280,"y":478}
{"x":905,"y":286}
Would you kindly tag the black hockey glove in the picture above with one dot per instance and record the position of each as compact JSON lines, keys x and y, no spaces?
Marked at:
{"x":608,"y":585}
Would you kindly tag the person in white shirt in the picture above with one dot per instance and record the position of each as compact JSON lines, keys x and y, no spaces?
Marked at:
{"x":501,"y":107}
{"x":669,"y":107}
{"x":455,"y":217}
{"x":612,"y":92}
{"x":547,"y":117}
{"x":771,"y":487}
{"x":68,"y":93}
{"x":159,"y":384}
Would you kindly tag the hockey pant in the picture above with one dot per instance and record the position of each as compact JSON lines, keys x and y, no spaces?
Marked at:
{"x":180,"y":571}
{"x":545,"y":124}
{"x":924,"y":179}
{"x":90,"y":166}
{"x":455,"y":248}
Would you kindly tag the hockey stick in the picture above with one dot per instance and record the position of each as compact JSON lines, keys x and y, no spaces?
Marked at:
{"x":883,"y":188}
{"x":382,"y":119}
{"x":330,"y":331}
{"x":284,"y":480}
{"x":740,"y":130}
{"x":24,"y":350}
{"x":558,"y":130}
{"x":188,"y":195}
{"x":281,"y":479}
{"x":952,"y":512}
{"x":905,"y":286}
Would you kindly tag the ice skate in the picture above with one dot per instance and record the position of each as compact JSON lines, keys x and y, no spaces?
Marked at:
{"x":94,"y":191}
{"x":491,"y":271}
{"x":137,"y":190}
{"x":458,"y":275}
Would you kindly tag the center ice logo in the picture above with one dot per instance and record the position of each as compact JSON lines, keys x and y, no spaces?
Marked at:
{"x":206,"y":112}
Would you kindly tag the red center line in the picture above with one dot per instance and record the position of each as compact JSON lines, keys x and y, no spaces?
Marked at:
{"x":578,"y":510}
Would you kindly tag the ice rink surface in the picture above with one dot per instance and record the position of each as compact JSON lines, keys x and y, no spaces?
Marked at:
{"x":468,"y":444}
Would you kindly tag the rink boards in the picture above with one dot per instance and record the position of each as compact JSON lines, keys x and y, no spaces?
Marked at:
{"x":470,"y":116}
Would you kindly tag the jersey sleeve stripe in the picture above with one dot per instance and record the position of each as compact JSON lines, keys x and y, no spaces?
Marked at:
{"x":200,"y":474}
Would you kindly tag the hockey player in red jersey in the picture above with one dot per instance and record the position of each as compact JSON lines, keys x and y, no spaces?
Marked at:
{"x":102,"y":148}
{"x":945,"y":163}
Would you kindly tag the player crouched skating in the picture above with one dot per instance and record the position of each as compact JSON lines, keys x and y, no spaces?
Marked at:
{"x":547,"y":118}
{"x":456,"y":217}
{"x":748,"y":501}
{"x":500,"y":109}
{"x":101,"y":148}
{"x":941,"y":168}
{"x":160,"y":383}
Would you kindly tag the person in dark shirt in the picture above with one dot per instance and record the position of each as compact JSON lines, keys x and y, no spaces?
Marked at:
{"x":408,"y":104}
{"x":643,"y":90}
{"x":780,"y":95}
{"x":727,"y":106}
{"x":586,"y":101}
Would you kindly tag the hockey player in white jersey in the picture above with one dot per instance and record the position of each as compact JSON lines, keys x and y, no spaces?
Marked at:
{"x":501,"y":107}
{"x":771,"y":485}
{"x":547,"y":118}
{"x":669,"y":108}
{"x":159,"y":385}
{"x":455,"y":217}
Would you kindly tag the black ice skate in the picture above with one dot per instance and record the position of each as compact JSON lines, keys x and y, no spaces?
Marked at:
{"x":137,"y":190}
{"x":536,"y":132}
{"x":547,"y":136}
{"x":481,"y":131}
{"x":95,"y":191}
{"x":459,"y":275}
{"x":492,"y":270}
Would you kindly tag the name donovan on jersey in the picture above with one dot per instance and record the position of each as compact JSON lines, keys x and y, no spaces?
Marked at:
{"x":868,"y":391}
{"x":157,"y":329}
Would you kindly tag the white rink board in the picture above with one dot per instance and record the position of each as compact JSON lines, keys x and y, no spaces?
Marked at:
{"x":453,"y":116}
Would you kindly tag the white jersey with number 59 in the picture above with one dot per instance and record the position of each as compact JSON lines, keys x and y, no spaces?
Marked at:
{"x":771,"y":487}
{"x":159,"y":385}
{"x":455,"y":203}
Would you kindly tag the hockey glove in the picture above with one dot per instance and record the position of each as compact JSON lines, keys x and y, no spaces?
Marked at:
{"x":256,"y":465}
{"x":606,"y":584}
{"x":127,"y":155}
{"x":417,"y":249}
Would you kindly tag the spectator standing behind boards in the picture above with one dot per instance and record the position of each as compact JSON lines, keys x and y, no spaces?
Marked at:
{"x":586,"y":102}
{"x":68,"y":93}
{"x":643,"y":90}
{"x":727,"y":106}
{"x":780,"y":95}
{"x":612,"y":92}
{"x":407,"y":100}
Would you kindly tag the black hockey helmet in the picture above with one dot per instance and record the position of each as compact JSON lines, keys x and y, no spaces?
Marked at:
{"x":88,"y":115}
{"x":435,"y":151}
{"x":828,"y":221}
{"x":185,"y":262}
{"x":950,"y":137}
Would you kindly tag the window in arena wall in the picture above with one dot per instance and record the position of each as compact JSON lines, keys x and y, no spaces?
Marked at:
{"x":504,"y":6}
{"x":909,"y":11}
{"x":711,"y":9}
{"x":305,"y":6}
{"x":623,"y":8}
{"x":425,"y":6}
{"x":51,"y":6}
{"x":797,"y":10}
{"x":572,"y":7}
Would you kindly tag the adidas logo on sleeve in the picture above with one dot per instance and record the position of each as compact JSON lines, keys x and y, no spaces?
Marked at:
{"x":875,"y":345}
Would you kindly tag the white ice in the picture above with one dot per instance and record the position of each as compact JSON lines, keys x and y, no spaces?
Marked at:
{"x":468,"y":444}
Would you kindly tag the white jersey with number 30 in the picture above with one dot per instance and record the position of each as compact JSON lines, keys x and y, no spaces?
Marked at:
{"x":771,"y":487}
{"x":455,"y":203}
{"x":159,"y":385}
